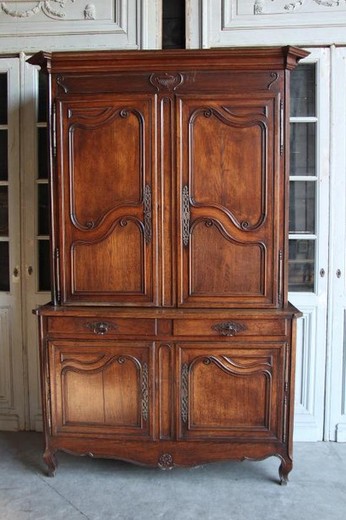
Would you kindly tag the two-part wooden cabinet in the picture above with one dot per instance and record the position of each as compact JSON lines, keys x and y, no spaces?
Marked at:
{"x":169,"y":339}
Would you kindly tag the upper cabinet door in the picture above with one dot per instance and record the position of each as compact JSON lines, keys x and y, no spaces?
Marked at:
{"x":106,"y":187}
{"x":230,"y":253}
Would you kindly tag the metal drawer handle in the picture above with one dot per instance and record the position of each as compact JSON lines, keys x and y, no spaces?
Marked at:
{"x":101,"y":327}
{"x":228,"y":328}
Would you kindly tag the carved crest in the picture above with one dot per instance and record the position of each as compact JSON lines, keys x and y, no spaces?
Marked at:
{"x":166,"y":81}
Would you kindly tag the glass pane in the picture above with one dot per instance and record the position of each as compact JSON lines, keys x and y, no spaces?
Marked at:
{"x":42,"y":97}
{"x":303,"y":149}
{"x":303,"y":90}
{"x":3,"y":99}
{"x":3,"y":156}
{"x":302,"y":207}
{"x":4,"y":267}
{"x":42,"y":153}
{"x":3,"y":211}
{"x":301,"y":265}
{"x":43,"y":265}
{"x":43,"y":214}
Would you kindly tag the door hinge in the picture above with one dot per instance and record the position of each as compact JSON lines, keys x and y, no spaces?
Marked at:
{"x":282,"y":133}
{"x":147,"y":214}
{"x":57,"y":295}
{"x":280,"y":274}
{"x":186,"y":215}
{"x":54,"y":128}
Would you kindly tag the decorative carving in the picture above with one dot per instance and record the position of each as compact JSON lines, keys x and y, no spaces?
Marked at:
{"x":228,"y":328}
{"x":165,"y":461}
{"x":59,"y":81}
{"x":186,"y":216}
{"x":147,"y":214}
{"x":184,"y":392}
{"x":100,"y":327}
{"x":90,"y":12}
{"x":208,"y":112}
{"x":275,"y":76}
{"x":145,"y":391}
{"x":166,"y":81}
{"x":259,"y":5}
{"x":124,"y":113}
{"x":44,"y":7}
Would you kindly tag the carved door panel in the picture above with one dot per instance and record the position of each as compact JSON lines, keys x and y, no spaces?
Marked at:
{"x":229,"y":254}
{"x":100,"y":387}
{"x":232,"y":391}
{"x":107,"y":189}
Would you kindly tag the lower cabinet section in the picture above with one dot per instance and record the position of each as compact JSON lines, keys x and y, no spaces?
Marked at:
{"x":100,"y":387}
{"x":231,"y":391}
{"x":164,"y":400}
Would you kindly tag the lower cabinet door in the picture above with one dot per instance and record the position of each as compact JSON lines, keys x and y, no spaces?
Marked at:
{"x":100,"y":387}
{"x":233,"y":391}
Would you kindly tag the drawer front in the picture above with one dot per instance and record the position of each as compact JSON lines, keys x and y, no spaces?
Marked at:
{"x":230,"y":327}
{"x":96,"y":326}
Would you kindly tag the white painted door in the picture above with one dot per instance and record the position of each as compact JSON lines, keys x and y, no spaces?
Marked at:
{"x":336,"y":374}
{"x":12,"y":375}
{"x":308,"y":235}
{"x":35,"y":224}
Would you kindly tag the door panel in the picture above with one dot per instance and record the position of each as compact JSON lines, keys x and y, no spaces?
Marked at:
{"x":229,"y":149}
{"x":100,"y":387}
{"x":12,"y":397}
{"x":231,"y":391}
{"x":107,"y":181}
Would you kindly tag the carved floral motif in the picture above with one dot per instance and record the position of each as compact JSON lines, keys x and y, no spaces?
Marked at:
{"x":259,"y":5}
{"x":51,"y":8}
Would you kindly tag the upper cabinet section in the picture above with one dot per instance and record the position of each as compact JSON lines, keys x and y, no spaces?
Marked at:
{"x":265,"y":22}
{"x":169,"y":176}
{"x":79,"y":24}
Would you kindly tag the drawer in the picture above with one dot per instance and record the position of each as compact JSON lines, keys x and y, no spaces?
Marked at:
{"x":230,"y":327}
{"x":96,"y":326}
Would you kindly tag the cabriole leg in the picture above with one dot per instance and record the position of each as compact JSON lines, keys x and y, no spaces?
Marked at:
{"x":284,"y":469}
{"x":50,"y":459}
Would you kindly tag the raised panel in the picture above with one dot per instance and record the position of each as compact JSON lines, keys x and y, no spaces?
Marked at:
{"x":225,"y":267}
{"x":232,"y":391}
{"x":228,"y":160}
{"x":120,"y":274}
{"x":106,"y":162}
{"x":101,"y":388}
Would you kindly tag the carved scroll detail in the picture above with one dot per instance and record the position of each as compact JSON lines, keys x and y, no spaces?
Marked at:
{"x":184,"y":392}
{"x":147,"y":214}
{"x":145,"y":391}
{"x":60,"y":82}
{"x":186,"y":216}
{"x":274,"y":76}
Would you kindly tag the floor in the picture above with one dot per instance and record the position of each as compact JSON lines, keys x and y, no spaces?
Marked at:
{"x":91,"y":489}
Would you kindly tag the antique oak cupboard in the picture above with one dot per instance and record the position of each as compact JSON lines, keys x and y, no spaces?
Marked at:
{"x":169,"y":340}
